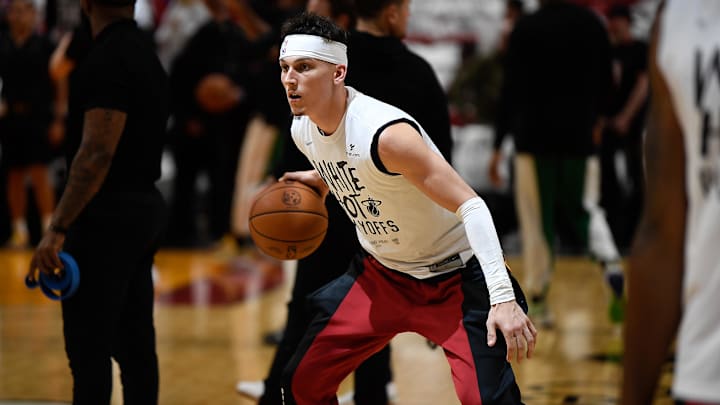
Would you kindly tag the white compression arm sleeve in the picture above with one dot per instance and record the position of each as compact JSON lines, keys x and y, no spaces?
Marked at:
{"x":485,"y":244}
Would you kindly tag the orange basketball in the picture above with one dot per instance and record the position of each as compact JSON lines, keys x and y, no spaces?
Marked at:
{"x":288,"y":220}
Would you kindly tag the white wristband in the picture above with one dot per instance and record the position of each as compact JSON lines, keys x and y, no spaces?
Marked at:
{"x":485,"y":244}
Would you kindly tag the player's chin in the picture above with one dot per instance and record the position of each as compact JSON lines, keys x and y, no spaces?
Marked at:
{"x":297,"y":111}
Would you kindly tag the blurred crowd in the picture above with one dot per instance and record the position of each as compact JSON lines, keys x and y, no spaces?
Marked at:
{"x":230,"y":117}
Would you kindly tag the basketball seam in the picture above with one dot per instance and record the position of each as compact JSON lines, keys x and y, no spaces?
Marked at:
{"x":292,"y":185}
{"x":273,"y":187}
{"x":292,"y":211}
{"x":284,"y":240}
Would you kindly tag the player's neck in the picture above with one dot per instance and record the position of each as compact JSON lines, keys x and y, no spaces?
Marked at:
{"x":329,"y":118}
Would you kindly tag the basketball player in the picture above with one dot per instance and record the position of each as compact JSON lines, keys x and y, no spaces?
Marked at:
{"x":372,"y":378}
{"x":110,"y":214}
{"x":675,"y":263}
{"x":430,"y":260}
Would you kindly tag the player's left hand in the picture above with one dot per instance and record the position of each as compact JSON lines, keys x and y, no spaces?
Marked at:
{"x":310,"y":178}
{"x":45,"y":258}
{"x":519,"y":332}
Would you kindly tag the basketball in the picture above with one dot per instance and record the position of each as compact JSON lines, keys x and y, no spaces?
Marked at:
{"x":288,"y":220}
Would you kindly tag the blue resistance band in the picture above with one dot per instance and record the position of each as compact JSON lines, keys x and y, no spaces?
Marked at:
{"x":66,"y":283}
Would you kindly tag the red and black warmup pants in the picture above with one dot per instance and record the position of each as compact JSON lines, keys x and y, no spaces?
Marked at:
{"x":361,"y":311}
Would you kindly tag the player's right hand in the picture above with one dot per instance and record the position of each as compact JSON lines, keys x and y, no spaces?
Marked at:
{"x":310,"y":178}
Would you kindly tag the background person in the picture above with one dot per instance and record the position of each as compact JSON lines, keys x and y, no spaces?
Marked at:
{"x":555,"y":86}
{"x":621,"y":166}
{"x":27,"y":94}
{"x":111,"y":215}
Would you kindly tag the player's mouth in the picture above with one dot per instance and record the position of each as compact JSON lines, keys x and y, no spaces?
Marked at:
{"x":293,"y":97}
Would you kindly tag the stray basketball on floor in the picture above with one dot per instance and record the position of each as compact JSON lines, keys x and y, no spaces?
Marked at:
{"x":288,"y":220}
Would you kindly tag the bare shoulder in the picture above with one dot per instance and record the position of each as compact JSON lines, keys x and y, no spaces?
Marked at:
{"x":400,"y":147}
{"x":400,"y":135}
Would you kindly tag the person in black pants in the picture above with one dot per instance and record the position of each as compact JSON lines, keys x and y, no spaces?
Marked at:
{"x":207,"y":140}
{"x":557,"y":78}
{"x":111,"y":215}
{"x":383,"y":67}
{"x":622,"y":195}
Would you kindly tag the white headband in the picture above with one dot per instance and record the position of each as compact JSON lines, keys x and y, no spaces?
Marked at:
{"x":315,"y":47}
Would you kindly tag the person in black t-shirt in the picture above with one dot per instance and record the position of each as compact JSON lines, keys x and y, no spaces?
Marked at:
{"x":622,"y":138}
{"x":383,"y":67}
{"x":208,"y":139}
{"x":556,"y":82}
{"x":111,"y":215}
{"x":27,"y":95}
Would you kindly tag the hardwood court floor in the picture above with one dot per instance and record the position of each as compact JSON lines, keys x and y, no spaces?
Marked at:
{"x":213,"y":309}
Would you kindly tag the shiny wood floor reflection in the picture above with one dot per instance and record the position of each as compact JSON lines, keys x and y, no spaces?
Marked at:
{"x":206,"y":344}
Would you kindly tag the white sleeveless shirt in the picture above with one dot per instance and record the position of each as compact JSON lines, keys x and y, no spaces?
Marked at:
{"x":395,"y":222}
{"x":689,"y":59}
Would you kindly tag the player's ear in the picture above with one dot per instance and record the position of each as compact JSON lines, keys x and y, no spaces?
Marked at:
{"x":340,"y":73}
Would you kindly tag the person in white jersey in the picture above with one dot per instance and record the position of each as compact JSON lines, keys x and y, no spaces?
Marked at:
{"x":675,"y":264}
{"x":431,"y":261}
